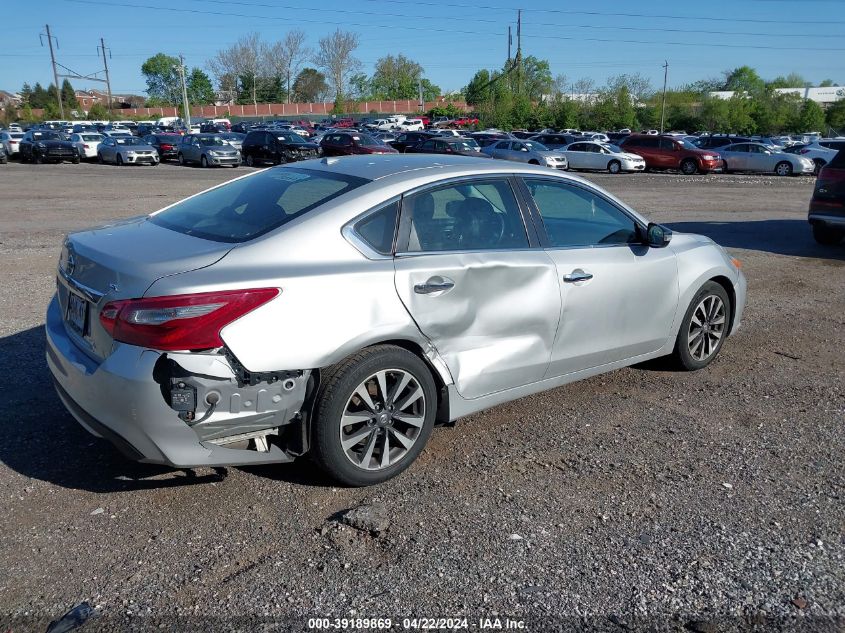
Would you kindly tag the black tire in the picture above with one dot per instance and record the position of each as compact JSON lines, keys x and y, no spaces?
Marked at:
{"x":827,"y":235}
{"x":75,"y":160}
{"x":533,"y":162}
{"x":725,"y":169}
{"x":682,"y":354}
{"x":38,"y":159}
{"x":100,"y":159}
{"x":614,"y":167}
{"x":118,"y":160}
{"x":689,"y":167}
{"x":181,"y":159}
{"x":203,"y":161}
{"x":783,"y":168}
{"x":819,"y":163}
{"x":250,"y":161}
{"x":337,"y":387}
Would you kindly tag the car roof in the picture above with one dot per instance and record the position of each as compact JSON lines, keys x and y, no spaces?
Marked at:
{"x":376,"y":167}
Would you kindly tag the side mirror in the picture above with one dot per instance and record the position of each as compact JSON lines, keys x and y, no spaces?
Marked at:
{"x":658,"y":236}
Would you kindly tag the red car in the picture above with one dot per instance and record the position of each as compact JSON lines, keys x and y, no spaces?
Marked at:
{"x":347,"y":143}
{"x":670,"y":152}
{"x":827,"y":207}
{"x":345,"y":122}
{"x":466,"y":120}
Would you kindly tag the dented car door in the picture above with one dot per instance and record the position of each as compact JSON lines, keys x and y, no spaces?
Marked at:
{"x":478,"y":289}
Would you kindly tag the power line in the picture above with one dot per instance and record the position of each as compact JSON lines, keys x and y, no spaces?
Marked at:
{"x":456,"y":31}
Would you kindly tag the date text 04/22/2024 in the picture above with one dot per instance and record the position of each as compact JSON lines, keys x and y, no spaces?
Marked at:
{"x":423,"y":624}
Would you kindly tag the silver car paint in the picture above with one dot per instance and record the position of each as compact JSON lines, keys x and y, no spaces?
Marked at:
{"x":526,"y":156}
{"x":762,"y":161}
{"x":337,"y":298}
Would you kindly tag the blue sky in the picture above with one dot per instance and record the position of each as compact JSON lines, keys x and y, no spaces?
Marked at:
{"x":450,"y":38}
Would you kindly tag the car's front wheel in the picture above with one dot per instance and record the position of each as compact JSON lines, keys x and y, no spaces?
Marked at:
{"x":614,"y":167}
{"x":203,"y":161}
{"x":689,"y":167}
{"x":373,"y":416}
{"x":783,"y":169}
{"x":704,"y":327}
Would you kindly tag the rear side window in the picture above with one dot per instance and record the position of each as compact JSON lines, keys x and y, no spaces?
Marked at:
{"x":838,"y":161}
{"x":379,"y":228}
{"x":249,"y":207}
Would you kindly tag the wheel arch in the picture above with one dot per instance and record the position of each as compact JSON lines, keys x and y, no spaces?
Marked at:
{"x":728,"y":286}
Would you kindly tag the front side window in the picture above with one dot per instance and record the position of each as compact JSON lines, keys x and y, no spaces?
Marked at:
{"x":246,"y":208}
{"x":574,"y":216}
{"x":479,"y":215}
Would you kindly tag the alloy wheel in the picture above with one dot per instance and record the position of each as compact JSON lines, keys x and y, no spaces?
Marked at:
{"x":706,"y":327}
{"x":382,"y":419}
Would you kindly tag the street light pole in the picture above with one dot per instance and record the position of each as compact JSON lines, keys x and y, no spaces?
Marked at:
{"x":663,"y":107}
{"x":185,"y":105}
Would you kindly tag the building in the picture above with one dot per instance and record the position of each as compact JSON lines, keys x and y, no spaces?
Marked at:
{"x":822,"y":96}
{"x":9,"y":99}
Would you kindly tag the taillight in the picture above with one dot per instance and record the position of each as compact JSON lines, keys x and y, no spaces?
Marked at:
{"x":180,"y":322}
{"x":166,"y":146}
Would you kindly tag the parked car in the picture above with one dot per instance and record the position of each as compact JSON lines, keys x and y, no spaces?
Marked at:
{"x":714,"y":142}
{"x":242,"y":127}
{"x":210,"y":127}
{"x":207,"y":150}
{"x":167,"y":145}
{"x":126,"y":150}
{"x":668,"y":152}
{"x":86,"y":143}
{"x":819,"y":154}
{"x":454,"y":146}
{"x":761,"y":158}
{"x":404,"y":140}
{"x":84,"y":127}
{"x":529,"y":152}
{"x":11,"y":141}
{"x":347,"y":143}
{"x":116,"y":132}
{"x":412,"y":125}
{"x":44,"y":145}
{"x":270,"y":316}
{"x":269,"y":146}
{"x":4,"y":156}
{"x":601,"y":156}
{"x":555,"y":141}
{"x":827,"y":207}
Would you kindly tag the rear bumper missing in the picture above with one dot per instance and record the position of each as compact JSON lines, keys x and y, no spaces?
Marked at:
{"x":119,"y":399}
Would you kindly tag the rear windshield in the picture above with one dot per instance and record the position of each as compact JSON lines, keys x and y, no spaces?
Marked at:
{"x":246,"y":208}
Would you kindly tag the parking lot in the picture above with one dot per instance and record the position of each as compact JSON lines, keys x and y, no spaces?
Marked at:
{"x":641,"y":497}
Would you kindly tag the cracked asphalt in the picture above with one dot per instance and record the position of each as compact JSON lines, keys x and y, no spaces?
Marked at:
{"x":642,"y":499}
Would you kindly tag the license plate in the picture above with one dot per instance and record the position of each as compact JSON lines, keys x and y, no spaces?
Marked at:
{"x":77,"y":313}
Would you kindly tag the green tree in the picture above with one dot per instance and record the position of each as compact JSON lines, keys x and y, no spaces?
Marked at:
{"x":39,"y":96}
{"x":162,"y":76}
{"x":98,"y":112}
{"x":825,"y":83}
{"x":743,"y":79}
{"x":811,"y":117}
{"x":69,"y":96}
{"x":792,"y":80}
{"x":536,"y":76}
{"x":26,"y":93}
{"x":395,"y":78}
{"x":836,"y":116}
{"x":309,"y":86}
{"x":360,"y":87}
{"x":200,"y":90}
{"x":478,"y":89}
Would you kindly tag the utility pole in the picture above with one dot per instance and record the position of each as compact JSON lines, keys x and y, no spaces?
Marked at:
{"x":185,"y":105}
{"x":663,"y":107}
{"x":106,"y":68}
{"x":422,"y":103}
{"x":510,"y":43}
{"x":519,"y":52}
{"x":55,"y":72}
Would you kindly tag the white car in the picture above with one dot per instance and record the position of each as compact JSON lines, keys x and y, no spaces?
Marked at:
{"x":11,"y":141}
{"x":412,"y":125}
{"x":86,"y":143}
{"x":445,"y":132}
{"x":602,"y":156}
{"x":819,"y":154}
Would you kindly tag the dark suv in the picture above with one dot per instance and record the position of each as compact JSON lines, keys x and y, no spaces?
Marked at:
{"x":409,"y":139}
{"x":41,"y":146}
{"x":827,"y":207}
{"x":670,"y":152}
{"x":275,"y":146}
{"x":347,"y":143}
{"x":713,"y":142}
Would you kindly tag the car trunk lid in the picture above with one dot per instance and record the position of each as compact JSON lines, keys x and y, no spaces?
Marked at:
{"x":121,"y":261}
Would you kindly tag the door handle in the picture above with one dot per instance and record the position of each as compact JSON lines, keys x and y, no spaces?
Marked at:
{"x":433,"y":285}
{"x":576,"y":276}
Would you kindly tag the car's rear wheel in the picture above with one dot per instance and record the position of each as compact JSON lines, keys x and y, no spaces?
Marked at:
{"x":373,"y":415}
{"x":689,"y":167}
{"x":614,"y":167}
{"x":827,"y":235}
{"x":704,"y":327}
{"x":783,"y":168}
{"x":250,"y":161}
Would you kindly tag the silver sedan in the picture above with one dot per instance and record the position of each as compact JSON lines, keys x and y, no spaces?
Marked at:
{"x":530,"y":152}
{"x":126,"y":150}
{"x":764,"y":159}
{"x":342,"y":306}
{"x":601,"y":156}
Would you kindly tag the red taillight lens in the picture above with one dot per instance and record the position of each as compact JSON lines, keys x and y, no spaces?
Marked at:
{"x":166,"y":146}
{"x":180,"y":321}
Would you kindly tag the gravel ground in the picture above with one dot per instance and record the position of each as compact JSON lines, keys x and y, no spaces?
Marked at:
{"x":641,"y":499}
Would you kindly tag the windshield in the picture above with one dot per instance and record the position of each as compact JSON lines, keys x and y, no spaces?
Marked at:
{"x":234,"y":136}
{"x":614,"y":148}
{"x":45,"y":136}
{"x":212,"y":141}
{"x":92,"y":137}
{"x":534,"y":146}
{"x":128,"y":140}
{"x":246,"y":208}
{"x":16,"y":134}
{"x":687,"y":144}
{"x":365,"y":140}
{"x":291,"y":138}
